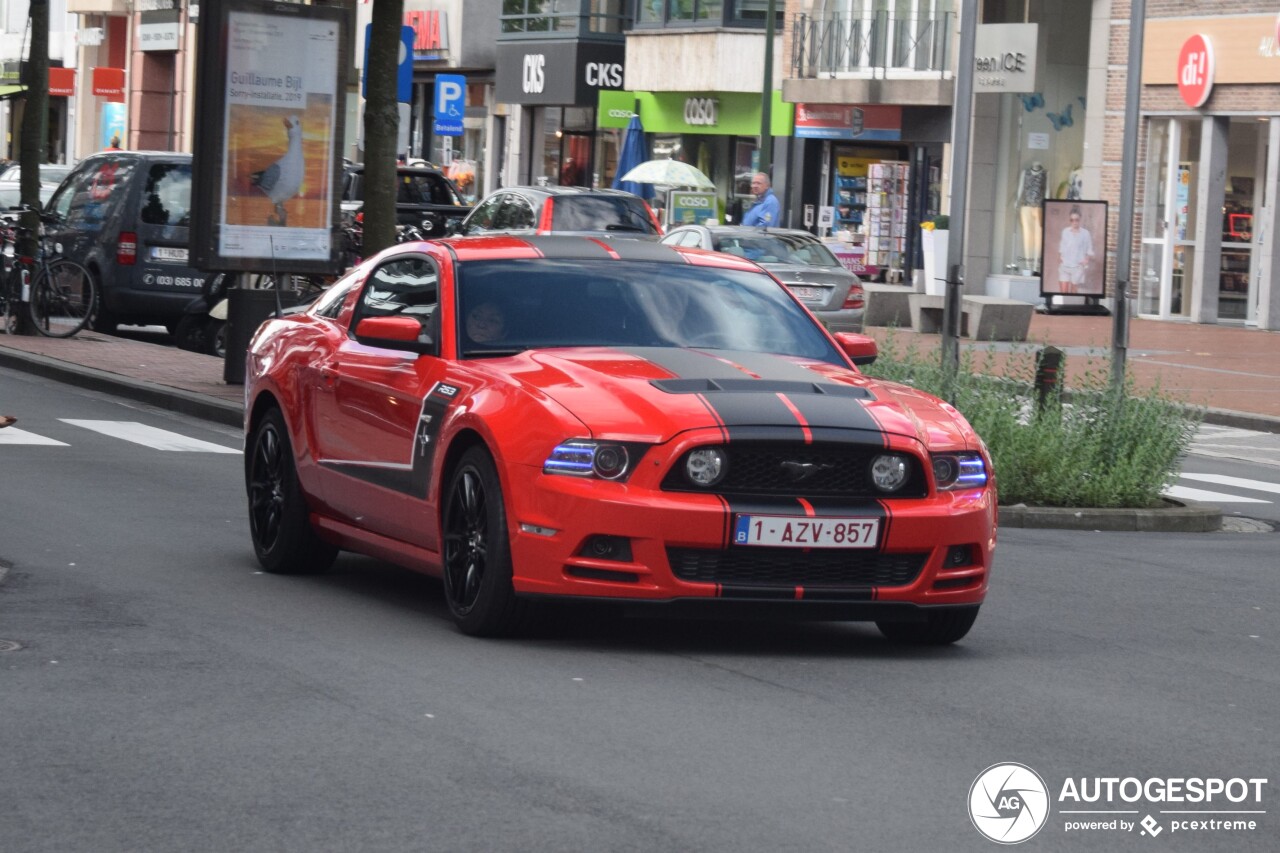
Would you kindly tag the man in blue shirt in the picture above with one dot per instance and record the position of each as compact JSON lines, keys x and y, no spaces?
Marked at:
{"x":766,"y":211}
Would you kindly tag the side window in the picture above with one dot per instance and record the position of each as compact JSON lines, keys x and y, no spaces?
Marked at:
{"x":437,"y":190}
{"x":692,"y":239}
{"x":485,"y":213}
{"x":516,"y":214}
{"x":406,"y":286}
{"x":166,"y":199}
{"x":86,"y":199}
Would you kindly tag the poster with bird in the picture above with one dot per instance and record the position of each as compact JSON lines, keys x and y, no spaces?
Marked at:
{"x":280,"y":124}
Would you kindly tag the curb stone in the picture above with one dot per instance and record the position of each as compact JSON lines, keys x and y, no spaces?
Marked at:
{"x":1173,"y":517}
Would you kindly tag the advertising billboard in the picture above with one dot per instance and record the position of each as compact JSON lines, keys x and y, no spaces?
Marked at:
{"x":269,"y":130}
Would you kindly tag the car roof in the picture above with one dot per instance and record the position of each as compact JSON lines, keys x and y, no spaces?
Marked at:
{"x":558,"y":191}
{"x":400,"y":170}
{"x":575,"y":248}
{"x":727,"y":230}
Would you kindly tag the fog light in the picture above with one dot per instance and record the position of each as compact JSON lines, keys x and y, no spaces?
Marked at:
{"x":706,"y":466}
{"x":957,"y":556}
{"x":889,"y":471}
{"x":616,"y":548}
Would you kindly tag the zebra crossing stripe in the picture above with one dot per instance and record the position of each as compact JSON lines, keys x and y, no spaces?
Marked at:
{"x":13,"y":435}
{"x":1209,"y":497}
{"x":1236,"y":482}
{"x":148,"y":436}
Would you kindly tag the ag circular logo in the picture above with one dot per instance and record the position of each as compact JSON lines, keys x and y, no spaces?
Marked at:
{"x":1008,"y":803}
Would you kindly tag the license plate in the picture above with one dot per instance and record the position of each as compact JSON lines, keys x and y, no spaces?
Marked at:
{"x":787,"y":531}
{"x":165,"y":253}
{"x":809,"y":294}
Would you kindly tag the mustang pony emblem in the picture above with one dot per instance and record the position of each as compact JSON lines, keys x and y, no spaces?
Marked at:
{"x":799,"y":471}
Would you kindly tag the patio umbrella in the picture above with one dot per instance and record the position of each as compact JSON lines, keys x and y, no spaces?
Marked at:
{"x":669,"y":173}
{"x":635,"y":150}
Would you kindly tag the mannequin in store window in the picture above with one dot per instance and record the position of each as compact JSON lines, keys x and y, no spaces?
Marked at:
{"x":1030,"y":200}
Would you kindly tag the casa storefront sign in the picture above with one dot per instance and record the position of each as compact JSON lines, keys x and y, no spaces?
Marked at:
{"x":557,"y":73}
{"x":877,"y":122}
{"x":719,"y":113}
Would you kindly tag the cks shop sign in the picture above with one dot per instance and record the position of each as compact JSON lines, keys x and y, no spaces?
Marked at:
{"x":1195,"y":70}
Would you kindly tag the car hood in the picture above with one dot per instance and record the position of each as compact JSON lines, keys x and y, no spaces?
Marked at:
{"x":651,"y":394}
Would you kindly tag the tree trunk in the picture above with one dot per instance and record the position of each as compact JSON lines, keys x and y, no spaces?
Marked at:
{"x":31,"y":145}
{"x":381,"y":124}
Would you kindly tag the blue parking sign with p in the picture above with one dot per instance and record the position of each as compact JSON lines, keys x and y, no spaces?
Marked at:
{"x":451,"y":102}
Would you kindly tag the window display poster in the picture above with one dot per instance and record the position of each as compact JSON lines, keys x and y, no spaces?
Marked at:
{"x":1182,"y":195}
{"x":280,"y":122}
{"x":1075,"y":243}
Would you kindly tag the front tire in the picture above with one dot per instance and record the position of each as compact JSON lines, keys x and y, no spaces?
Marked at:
{"x":279,"y":520}
{"x":940,"y":628}
{"x":477,"y":551}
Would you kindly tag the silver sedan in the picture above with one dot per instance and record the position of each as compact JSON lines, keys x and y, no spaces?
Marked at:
{"x":796,"y":258}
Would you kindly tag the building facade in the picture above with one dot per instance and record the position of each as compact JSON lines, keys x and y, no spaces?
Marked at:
{"x":1205,"y":249}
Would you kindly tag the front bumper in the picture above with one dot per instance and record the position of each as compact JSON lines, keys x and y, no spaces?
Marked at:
{"x":676,"y":547}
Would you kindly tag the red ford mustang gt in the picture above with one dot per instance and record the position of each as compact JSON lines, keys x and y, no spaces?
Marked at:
{"x":568,"y":418}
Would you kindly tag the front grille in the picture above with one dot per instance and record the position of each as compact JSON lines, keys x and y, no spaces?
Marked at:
{"x":837,"y":470}
{"x":793,"y":567}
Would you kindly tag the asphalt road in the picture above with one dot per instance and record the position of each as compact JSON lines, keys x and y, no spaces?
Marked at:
{"x":166,"y":696}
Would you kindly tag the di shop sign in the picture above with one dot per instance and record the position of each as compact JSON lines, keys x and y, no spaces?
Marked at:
{"x":1195,"y":70}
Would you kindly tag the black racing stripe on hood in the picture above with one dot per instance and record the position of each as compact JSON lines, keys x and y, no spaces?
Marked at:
{"x":689,"y":364}
{"x":822,"y":410}
{"x":772,"y":386}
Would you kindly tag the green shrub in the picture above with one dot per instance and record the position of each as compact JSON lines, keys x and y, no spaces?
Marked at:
{"x":1089,"y":448}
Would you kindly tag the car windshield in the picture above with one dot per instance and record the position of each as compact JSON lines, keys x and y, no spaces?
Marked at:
{"x":766,"y":248}
{"x":600,"y":213}
{"x":539,"y":303}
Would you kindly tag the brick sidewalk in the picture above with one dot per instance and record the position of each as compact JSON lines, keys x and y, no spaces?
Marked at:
{"x":1225,"y":368}
{"x":1221,"y":367}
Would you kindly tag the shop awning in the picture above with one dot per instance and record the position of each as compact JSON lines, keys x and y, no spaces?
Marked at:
{"x":11,"y":91}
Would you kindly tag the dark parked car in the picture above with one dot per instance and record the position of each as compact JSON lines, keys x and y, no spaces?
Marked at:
{"x":563,"y":210}
{"x":797,"y":258}
{"x":425,"y":198}
{"x":126,"y":218}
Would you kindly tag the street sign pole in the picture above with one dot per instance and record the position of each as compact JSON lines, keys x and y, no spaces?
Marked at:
{"x":766,"y":99}
{"x":961,"y":132}
{"x":1128,"y":188}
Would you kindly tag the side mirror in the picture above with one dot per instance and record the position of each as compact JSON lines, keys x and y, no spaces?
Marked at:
{"x":860,"y":348}
{"x":453,"y":228}
{"x":399,"y":333}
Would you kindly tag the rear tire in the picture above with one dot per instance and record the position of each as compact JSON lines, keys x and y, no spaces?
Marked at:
{"x":279,"y":519}
{"x":102,"y":319}
{"x":940,"y":628}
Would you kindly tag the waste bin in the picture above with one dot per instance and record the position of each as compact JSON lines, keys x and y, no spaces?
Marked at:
{"x":246,"y":309}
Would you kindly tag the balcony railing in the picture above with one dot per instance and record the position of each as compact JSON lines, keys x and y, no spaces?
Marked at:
{"x":873,"y":44}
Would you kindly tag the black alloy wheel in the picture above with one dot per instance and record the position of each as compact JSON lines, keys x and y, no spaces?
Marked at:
{"x":279,"y":523}
{"x":477,"y":553}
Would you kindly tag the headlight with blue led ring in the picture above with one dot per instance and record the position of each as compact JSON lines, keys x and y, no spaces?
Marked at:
{"x":955,"y":471}
{"x":584,"y":457}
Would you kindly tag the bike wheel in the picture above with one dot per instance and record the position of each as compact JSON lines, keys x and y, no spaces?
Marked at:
{"x":62,"y":299}
{"x":10,"y":287}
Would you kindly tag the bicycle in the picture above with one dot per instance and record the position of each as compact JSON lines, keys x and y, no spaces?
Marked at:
{"x":60,"y":294}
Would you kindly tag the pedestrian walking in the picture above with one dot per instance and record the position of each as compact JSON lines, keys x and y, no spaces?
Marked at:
{"x":766,"y":211}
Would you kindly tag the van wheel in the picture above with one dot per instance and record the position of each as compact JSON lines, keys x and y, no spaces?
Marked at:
{"x":191,"y":333}
{"x":216,"y":338}
{"x":103,"y":320}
